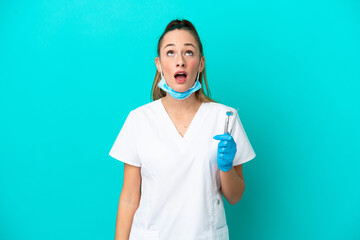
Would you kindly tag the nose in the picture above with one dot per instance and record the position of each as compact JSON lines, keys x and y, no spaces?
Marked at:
{"x":180,"y":62}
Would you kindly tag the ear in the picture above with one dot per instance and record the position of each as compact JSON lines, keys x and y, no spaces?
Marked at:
{"x":157,"y":64}
{"x":202,"y":64}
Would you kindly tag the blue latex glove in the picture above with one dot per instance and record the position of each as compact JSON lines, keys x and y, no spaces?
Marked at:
{"x":226,"y":151}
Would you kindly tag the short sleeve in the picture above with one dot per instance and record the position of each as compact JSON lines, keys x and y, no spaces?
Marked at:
{"x":125,"y":146}
{"x":244,"y":152}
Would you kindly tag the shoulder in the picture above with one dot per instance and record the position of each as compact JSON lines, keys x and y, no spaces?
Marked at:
{"x":146,"y":109}
{"x":219,"y":107}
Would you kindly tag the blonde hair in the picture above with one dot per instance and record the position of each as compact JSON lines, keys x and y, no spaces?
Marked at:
{"x":157,"y":92}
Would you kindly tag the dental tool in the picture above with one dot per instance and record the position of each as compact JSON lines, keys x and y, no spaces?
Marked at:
{"x":230,"y":114}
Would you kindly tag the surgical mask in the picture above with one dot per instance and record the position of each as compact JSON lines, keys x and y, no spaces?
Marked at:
{"x":179,"y":95}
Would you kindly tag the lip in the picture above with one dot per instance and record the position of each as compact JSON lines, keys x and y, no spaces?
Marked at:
{"x":180,"y":72}
{"x":180,"y":81}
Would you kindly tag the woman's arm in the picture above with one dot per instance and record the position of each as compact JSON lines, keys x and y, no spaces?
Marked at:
{"x":232,"y":184}
{"x":128,"y":202}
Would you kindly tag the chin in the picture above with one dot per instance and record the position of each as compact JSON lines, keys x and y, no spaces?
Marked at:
{"x":181,"y":89}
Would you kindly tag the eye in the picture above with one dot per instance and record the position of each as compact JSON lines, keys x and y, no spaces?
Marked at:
{"x":170,"y":52}
{"x":189,"y":52}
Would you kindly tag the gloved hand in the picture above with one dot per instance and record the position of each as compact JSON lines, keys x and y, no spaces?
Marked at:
{"x":226,"y":151}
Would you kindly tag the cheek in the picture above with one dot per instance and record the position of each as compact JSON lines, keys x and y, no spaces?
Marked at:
{"x":166,"y":66}
{"x":193,"y":65}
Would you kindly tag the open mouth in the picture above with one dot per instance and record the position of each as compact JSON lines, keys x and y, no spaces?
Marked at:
{"x":180,"y":76}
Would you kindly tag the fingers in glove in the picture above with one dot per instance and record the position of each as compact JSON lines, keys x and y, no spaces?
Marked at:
{"x":225,"y":137}
{"x":223,"y":144}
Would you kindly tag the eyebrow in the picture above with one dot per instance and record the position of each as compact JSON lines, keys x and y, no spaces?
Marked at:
{"x":185,"y":44}
{"x":189,"y":44}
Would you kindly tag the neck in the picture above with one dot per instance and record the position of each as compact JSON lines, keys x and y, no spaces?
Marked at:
{"x":177,"y":105}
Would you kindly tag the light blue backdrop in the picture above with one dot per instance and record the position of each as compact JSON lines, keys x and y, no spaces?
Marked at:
{"x":67,"y":76}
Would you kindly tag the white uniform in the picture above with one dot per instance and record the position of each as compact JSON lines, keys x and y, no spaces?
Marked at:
{"x":180,"y":189}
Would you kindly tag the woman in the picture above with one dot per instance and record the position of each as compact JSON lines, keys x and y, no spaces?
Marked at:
{"x":178,"y":158}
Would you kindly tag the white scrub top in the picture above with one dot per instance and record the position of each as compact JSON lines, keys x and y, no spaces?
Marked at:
{"x":180,"y":185}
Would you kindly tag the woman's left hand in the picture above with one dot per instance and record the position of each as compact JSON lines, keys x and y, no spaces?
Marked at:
{"x":226,"y":151}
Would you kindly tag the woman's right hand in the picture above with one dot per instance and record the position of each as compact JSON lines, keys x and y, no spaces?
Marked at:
{"x":226,"y":151}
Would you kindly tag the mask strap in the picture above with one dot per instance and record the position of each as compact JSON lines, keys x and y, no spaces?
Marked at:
{"x":162,"y":75}
{"x":197,"y":78}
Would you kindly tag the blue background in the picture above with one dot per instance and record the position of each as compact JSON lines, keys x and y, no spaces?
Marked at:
{"x":70,"y":72}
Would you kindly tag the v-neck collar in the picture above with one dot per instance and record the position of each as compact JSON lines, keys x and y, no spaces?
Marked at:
{"x":194,"y":125}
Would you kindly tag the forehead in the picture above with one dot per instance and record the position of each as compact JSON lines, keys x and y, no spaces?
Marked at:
{"x":178,"y":37}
